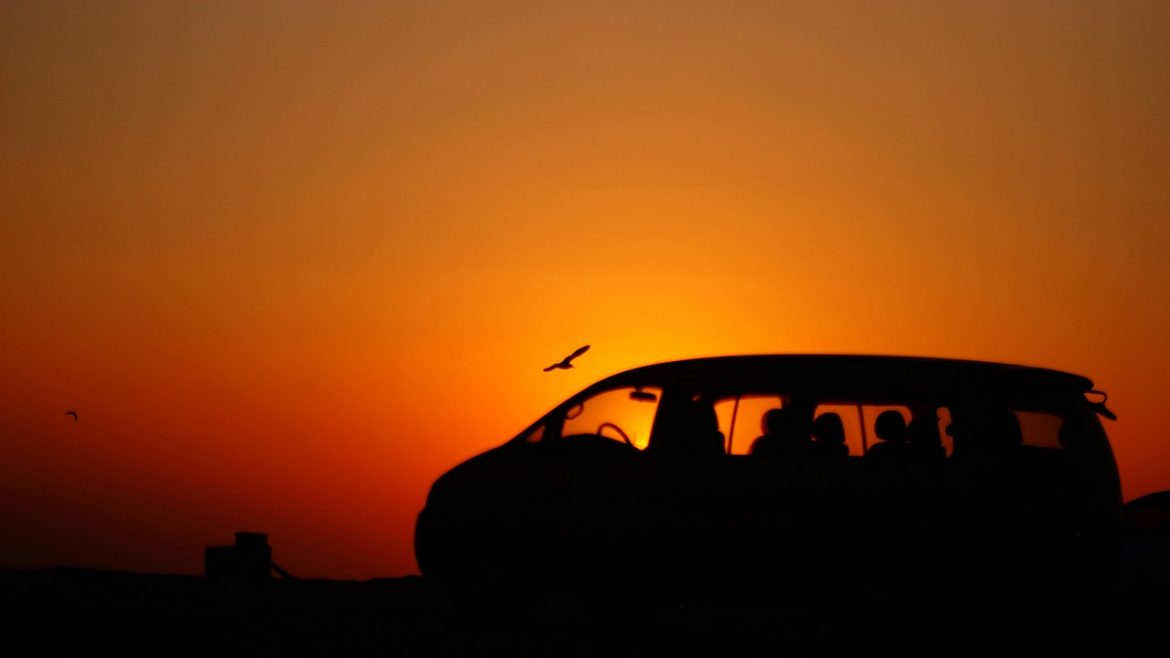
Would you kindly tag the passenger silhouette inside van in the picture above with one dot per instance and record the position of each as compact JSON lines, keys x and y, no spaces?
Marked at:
{"x":779,"y":440}
{"x":694,"y":434}
{"x":924,"y":437}
{"x":829,"y":437}
{"x":893,"y":437}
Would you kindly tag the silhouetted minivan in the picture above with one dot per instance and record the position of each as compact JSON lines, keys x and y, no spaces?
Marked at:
{"x":940,"y":483}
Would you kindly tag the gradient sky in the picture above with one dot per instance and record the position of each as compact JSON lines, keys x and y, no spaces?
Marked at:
{"x":290,"y":261}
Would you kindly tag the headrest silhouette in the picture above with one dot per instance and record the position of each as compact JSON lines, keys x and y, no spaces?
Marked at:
{"x":890,"y":426}
{"x":828,"y":428}
{"x":773,"y":421}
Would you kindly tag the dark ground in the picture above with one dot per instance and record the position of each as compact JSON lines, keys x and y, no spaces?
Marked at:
{"x":68,"y":611}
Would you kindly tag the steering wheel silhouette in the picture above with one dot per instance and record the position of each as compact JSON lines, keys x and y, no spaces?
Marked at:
{"x":617,"y":429}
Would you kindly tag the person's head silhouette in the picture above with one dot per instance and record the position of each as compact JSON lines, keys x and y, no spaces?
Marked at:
{"x":890,"y":426}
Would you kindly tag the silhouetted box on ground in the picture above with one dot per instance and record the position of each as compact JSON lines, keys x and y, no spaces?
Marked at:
{"x":249,"y":559}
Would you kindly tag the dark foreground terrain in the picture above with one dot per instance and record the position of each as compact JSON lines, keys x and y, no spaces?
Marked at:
{"x":81,"y":611}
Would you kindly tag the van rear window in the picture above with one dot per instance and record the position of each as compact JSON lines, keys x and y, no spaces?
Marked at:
{"x":1041,"y":430}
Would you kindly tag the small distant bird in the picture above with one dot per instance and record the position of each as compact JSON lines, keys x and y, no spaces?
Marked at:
{"x":567,"y":362}
{"x":72,"y":413}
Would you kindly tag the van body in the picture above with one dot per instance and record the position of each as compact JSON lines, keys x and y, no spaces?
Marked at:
{"x":794,"y":477}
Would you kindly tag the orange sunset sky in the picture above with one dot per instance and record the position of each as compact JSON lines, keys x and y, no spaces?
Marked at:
{"x":290,"y":261}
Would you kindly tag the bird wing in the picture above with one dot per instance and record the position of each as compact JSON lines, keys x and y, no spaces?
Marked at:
{"x":576,"y":353}
{"x":550,"y":367}
{"x":71,"y":413}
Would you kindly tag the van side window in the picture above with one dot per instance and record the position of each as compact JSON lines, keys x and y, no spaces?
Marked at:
{"x":1041,"y":430}
{"x":741,"y":419}
{"x":944,"y":430}
{"x":534,"y":435}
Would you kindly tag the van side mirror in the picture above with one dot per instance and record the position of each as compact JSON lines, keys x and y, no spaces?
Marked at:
{"x":1099,"y":405}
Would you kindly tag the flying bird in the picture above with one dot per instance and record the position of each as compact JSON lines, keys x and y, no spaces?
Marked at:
{"x":72,"y":413}
{"x":567,"y":362}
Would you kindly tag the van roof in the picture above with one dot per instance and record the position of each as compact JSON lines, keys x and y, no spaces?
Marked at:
{"x":892,"y":373}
